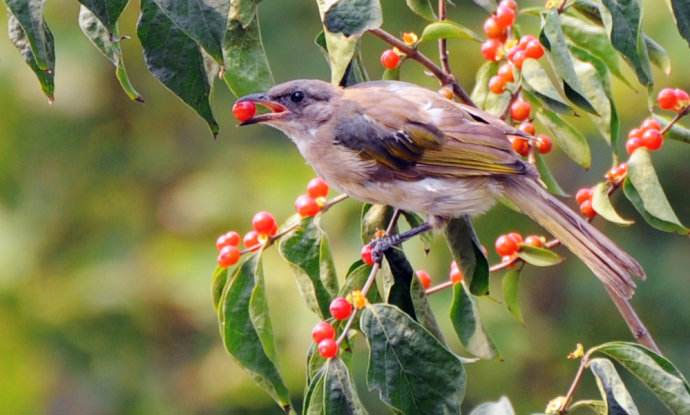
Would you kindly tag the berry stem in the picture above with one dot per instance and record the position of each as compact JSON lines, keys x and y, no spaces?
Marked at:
{"x":442,"y":43}
{"x":412,"y":53}
{"x":675,"y":119}
{"x":573,"y":386}
{"x":562,"y":6}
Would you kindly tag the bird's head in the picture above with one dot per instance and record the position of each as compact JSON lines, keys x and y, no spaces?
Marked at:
{"x":295,"y":107}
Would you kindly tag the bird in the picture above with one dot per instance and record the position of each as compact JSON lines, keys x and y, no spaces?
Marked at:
{"x":402,"y":145}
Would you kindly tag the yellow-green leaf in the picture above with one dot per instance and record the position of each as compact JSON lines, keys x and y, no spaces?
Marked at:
{"x":447,"y":30}
{"x":540,"y":257}
{"x":602,"y":205}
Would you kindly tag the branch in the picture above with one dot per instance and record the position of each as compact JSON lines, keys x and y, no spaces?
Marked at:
{"x":443,"y":43}
{"x":414,"y":54}
{"x":573,"y":386}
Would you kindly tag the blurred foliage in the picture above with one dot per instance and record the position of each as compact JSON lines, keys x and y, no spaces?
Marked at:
{"x":109,"y":210}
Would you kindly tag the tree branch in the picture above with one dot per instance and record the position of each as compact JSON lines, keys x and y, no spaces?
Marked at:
{"x":443,"y":43}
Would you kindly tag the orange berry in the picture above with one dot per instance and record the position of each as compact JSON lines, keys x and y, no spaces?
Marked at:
{"x":652,"y":139}
{"x":535,"y":240}
{"x":587,"y":210}
{"x":544,"y":143}
{"x":231,"y":238}
{"x":492,"y":29}
{"x":424,"y":278}
{"x":633,"y":144}
{"x":506,"y":72}
{"x":667,"y":99}
{"x":390,"y":59}
{"x":520,"y":110}
{"x":505,"y":246}
{"x":455,"y":274}
{"x":583,"y":194}
{"x":505,"y":16}
{"x":497,"y":85}
{"x":520,"y":145}
{"x":527,"y":128}
{"x":228,"y":255}
{"x":650,"y":124}
{"x":490,"y":49}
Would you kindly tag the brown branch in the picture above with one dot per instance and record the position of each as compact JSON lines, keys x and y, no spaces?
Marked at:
{"x":414,"y":54}
{"x":573,"y":386}
{"x":443,"y":43}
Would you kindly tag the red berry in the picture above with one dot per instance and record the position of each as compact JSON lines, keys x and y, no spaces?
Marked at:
{"x":510,"y":3}
{"x":264,"y":223}
{"x":583,"y":194}
{"x":492,"y":29}
{"x":505,"y":246}
{"x":534,"y":49}
{"x":490,"y":49}
{"x":228,"y":255}
{"x":243,"y":110}
{"x":520,"y":110}
{"x":367,"y":256}
{"x":455,"y":273}
{"x":652,"y":139}
{"x":650,"y":124}
{"x":328,"y":348}
{"x":251,"y":240}
{"x":534,"y":240}
{"x":527,"y":127}
{"x":231,"y":238}
{"x":321,"y":331}
{"x":544,"y":143}
{"x":667,"y":99}
{"x":633,"y":144}
{"x":522,"y":44}
{"x":306,"y":206}
{"x":520,"y":145}
{"x":683,"y":99}
{"x":340,"y":308}
{"x":424,"y":278}
{"x":515,"y":237}
{"x":518,"y":58}
{"x":506,"y":72}
{"x":317,"y":187}
{"x":390,"y":59}
{"x":635,"y":133}
{"x":587,"y":210}
{"x":505,"y":16}
{"x":497,"y":85}
{"x":616,"y":173}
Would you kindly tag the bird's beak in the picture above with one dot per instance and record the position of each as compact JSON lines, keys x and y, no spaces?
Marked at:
{"x":276,"y":109}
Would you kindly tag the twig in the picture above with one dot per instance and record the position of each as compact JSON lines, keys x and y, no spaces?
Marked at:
{"x":443,"y":43}
{"x":414,"y":54}
{"x":675,"y":119}
{"x":561,"y":7}
{"x":573,"y":386}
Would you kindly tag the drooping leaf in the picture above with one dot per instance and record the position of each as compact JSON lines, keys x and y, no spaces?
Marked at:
{"x":176,"y":60}
{"x":107,"y":11}
{"x":611,"y":387}
{"x":340,"y":395}
{"x":467,"y":251}
{"x":38,"y":38}
{"x":243,"y":11}
{"x":540,"y":257}
{"x":313,"y":403}
{"x":246,"y":328}
{"x":537,"y":81}
{"x":246,"y":64}
{"x":494,"y":104}
{"x":413,"y":372}
{"x":205,"y":21}
{"x":313,"y":265}
{"x":658,"y":55}
{"x":511,"y":296}
{"x":656,"y":372}
{"x":644,"y":191}
{"x":567,"y":138}
{"x":355,"y":71}
{"x":500,"y":407}
{"x":464,"y":315}
{"x":547,"y":177}
{"x":18,"y":38}
{"x":218,"y":280}
{"x":602,"y":205}
{"x":563,"y":61}
{"x":108,"y":43}
{"x":681,"y":14}
{"x":447,"y":30}
{"x":422,"y":8}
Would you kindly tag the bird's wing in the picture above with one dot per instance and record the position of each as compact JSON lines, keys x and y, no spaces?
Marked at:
{"x":411,"y":129}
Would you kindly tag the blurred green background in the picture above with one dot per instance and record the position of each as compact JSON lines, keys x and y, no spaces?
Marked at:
{"x":109,"y":210}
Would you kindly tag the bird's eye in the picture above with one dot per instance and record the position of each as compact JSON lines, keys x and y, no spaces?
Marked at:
{"x":297,"y":96}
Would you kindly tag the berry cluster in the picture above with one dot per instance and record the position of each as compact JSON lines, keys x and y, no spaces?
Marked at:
{"x":584,"y":199}
{"x":673,"y":99}
{"x":323,"y":333}
{"x":508,"y":245}
{"x":648,"y":135}
{"x":264,"y":226}
{"x":527,"y":47}
{"x":310,"y":203}
{"x":520,"y":111}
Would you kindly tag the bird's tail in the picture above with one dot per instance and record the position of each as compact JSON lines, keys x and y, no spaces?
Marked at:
{"x":612,"y":265}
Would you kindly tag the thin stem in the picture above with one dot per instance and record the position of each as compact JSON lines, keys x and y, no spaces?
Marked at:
{"x":414,"y":54}
{"x":443,"y":43}
{"x":573,"y":386}
{"x":675,"y":119}
{"x":562,"y":6}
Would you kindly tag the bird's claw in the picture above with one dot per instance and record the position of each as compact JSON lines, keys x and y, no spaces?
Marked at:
{"x":383,"y":244}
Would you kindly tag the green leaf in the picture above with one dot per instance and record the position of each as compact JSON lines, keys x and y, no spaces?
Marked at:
{"x":467,"y":251}
{"x":595,"y":407}
{"x":38,"y":38}
{"x":568,"y":138}
{"x":494,"y":104}
{"x":313,"y":403}
{"x":447,"y":30}
{"x":352,"y":17}
{"x":413,"y":372}
{"x":19,"y":39}
{"x":500,"y":407}
{"x":681,"y":14}
{"x":537,"y":81}
{"x":656,"y":372}
{"x":107,"y":11}
{"x":243,"y":11}
{"x":423,"y":8}
{"x":547,"y":177}
{"x":374,"y":218}
{"x":174,"y":58}
{"x":340,"y":395}
{"x":658,"y":55}
{"x":622,"y":20}
{"x":511,"y":297}
{"x":205,"y":21}
{"x":313,"y":265}
{"x":355,"y":279}
{"x":464,"y":315}
{"x":644,"y":191}
{"x":355,"y":71}
{"x":218,"y":280}
{"x":611,"y":388}
{"x":602,"y":205}
{"x":246,"y":328}
{"x":246,"y":65}
{"x":563,"y":62}
{"x":540,"y":257}
{"x":108,"y":43}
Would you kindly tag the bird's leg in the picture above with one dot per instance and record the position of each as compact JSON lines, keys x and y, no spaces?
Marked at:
{"x":381,"y":245}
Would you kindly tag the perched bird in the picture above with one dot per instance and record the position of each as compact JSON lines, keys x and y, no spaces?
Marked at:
{"x":398,"y":144}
